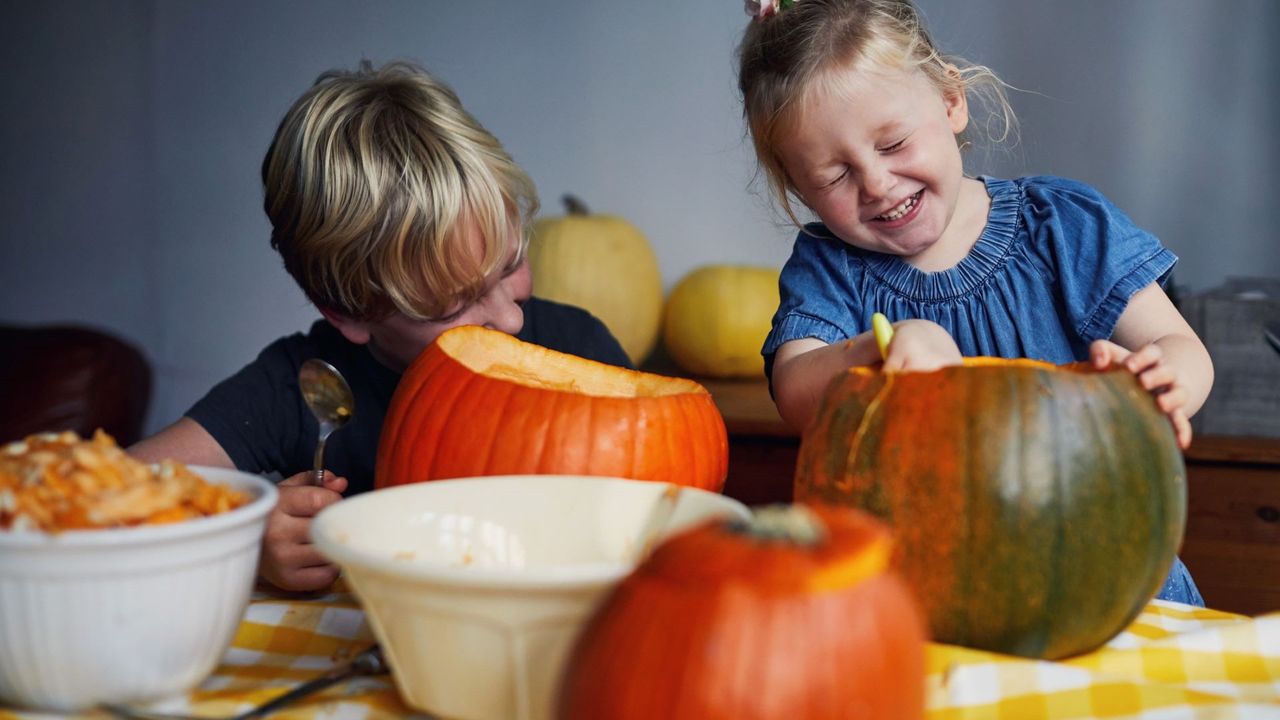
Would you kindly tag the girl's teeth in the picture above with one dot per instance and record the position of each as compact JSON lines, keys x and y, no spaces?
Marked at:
{"x":901,"y":210}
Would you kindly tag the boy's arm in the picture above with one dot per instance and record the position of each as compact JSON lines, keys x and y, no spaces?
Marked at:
{"x":1154,"y":342}
{"x":186,"y":441}
{"x":288,"y":560}
{"x":802,"y":369}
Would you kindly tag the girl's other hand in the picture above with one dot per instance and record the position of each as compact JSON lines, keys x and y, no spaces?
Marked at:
{"x":1155,"y":375}
{"x":920,"y":346}
{"x":289,"y":560}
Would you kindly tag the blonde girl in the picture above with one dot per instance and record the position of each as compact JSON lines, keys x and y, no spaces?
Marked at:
{"x":857,"y":116}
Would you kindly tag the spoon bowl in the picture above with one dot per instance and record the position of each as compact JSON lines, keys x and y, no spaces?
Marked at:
{"x":329,"y":397}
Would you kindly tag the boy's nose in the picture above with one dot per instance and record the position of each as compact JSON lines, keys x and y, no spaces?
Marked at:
{"x":506,"y":316}
{"x":504,"y":303}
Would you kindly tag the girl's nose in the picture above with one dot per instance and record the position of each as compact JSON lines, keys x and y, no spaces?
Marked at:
{"x":877,"y":182}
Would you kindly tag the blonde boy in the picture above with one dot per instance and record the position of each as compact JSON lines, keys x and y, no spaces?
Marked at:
{"x":400,"y":217}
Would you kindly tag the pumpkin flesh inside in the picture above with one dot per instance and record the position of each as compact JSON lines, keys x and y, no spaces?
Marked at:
{"x":503,"y":357}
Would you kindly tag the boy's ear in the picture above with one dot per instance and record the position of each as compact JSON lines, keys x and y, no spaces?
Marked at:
{"x":354,"y":331}
{"x":955,"y":101}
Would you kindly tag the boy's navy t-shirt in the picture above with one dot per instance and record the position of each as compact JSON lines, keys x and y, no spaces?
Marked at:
{"x":259,"y":418}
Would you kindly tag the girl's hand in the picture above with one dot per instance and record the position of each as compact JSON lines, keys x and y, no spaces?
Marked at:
{"x":289,"y":560}
{"x":1155,"y":375}
{"x":920,"y":346}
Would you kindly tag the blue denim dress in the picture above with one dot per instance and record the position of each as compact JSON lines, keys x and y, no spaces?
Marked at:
{"x":1053,"y":270}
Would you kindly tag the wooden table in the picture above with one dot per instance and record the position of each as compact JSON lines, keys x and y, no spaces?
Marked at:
{"x":1232,"y":541}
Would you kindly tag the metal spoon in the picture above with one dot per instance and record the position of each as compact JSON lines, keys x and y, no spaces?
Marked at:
{"x":370,"y":662}
{"x":329,"y":397}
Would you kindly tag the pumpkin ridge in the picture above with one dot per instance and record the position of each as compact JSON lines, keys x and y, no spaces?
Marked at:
{"x":964,"y":549}
{"x":844,"y":482}
{"x":419,"y":454}
{"x":1097,"y":440}
{"x":452,"y":395}
{"x":389,"y":444}
{"x":664,"y":431}
{"x":635,"y":446}
{"x":1156,"y":510}
{"x":454,"y":446}
{"x":590,"y":405}
{"x":548,"y":434}
{"x":387,"y":441}
{"x":704,"y":463}
{"x":498,"y":405}
{"x":1053,"y":603}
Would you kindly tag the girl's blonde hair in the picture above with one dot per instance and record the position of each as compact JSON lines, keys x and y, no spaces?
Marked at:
{"x":785,"y":56}
{"x":375,"y":181}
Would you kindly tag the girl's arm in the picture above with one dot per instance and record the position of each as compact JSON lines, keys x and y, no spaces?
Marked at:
{"x":802,"y":369}
{"x":1154,"y":342}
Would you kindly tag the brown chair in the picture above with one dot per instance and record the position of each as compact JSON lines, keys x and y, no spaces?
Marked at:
{"x":56,"y":378}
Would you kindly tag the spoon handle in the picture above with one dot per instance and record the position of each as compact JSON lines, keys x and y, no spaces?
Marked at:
{"x":369,"y":662}
{"x":317,"y":475}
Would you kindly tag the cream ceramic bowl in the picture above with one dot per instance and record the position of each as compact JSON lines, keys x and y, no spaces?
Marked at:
{"x":126,"y":615}
{"x":477,"y":587}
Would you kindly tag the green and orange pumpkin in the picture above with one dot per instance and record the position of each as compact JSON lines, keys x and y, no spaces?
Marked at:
{"x":1037,"y":508}
{"x":793,"y":614}
{"x":481,"y":402}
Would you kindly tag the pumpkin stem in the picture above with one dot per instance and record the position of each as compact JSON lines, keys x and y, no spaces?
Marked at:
{"x":574,"y":206}
{"x":782,"y":523}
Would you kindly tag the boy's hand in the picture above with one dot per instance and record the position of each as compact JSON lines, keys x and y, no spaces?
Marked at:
{"x":920,"y":346}
{"x":289,"y":560}
{"x":1156,"y":376}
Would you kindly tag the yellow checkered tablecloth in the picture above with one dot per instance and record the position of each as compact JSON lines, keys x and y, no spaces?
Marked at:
{"x":1175,"y":662}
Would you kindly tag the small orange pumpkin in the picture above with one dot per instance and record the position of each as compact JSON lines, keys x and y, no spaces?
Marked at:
{"x":481,"y":402}
{"x":792,"y":614}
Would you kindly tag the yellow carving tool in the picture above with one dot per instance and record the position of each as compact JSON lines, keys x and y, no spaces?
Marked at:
{"x":884,"y":333}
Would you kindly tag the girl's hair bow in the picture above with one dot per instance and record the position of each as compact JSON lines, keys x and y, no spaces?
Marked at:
{"x":761,"y":9}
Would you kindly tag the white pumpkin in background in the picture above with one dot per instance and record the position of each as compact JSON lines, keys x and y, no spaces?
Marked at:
{"x":605,"y":265}
{"x":717,"y":318}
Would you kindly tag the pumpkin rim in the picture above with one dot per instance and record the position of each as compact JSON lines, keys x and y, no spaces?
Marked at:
{"x":499,"y":356}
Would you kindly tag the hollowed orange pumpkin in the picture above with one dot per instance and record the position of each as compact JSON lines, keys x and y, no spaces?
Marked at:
{"x":481,"y":402}
{"x":790,"y":615}
{"x":1037,"y":508}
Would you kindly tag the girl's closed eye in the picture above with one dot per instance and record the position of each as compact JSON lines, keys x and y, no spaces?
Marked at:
{"x":894,"y":147}
{"x":827,"y":185}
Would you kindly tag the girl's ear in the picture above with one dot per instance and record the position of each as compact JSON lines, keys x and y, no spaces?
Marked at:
{"x":955,"y":101}
{"x":354,"y":331}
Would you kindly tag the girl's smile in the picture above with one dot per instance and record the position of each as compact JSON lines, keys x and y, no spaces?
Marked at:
{"x":903,"y":213}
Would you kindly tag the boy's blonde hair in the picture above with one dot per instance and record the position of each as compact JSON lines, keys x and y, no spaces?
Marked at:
{"x":786,"y":56}
{"x":374,"y":182}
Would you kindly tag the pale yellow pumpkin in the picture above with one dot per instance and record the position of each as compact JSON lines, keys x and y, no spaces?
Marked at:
{"x":605,"y":265}
{"x":717,"y":318}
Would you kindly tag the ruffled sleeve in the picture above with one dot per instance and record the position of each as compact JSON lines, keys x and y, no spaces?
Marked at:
{"x":1094,"y":253}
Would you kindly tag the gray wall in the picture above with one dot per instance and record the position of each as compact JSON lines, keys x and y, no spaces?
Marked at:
{"x":133,"y":132}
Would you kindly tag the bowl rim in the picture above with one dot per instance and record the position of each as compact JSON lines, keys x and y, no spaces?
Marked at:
{"x":265,"y":495}
{"x":558,"y":577}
